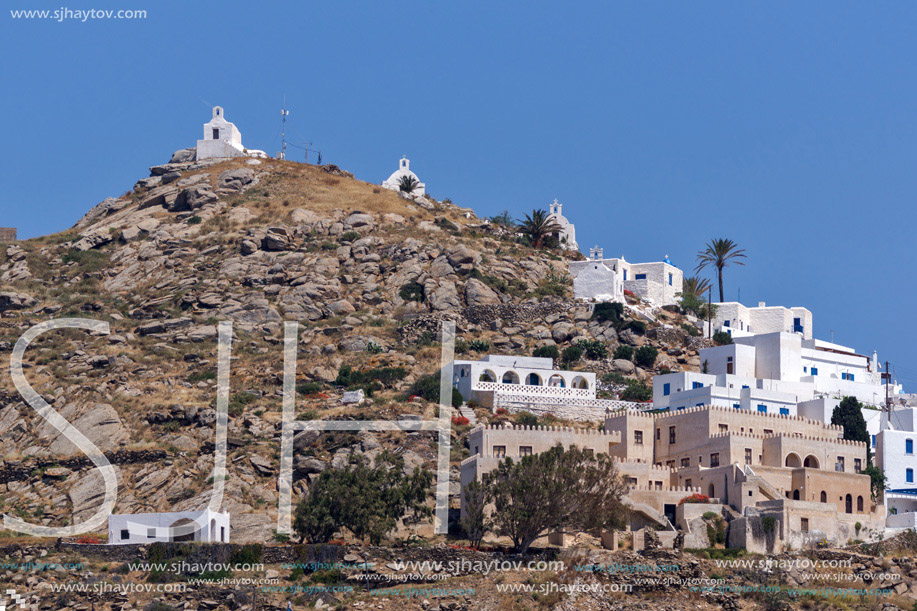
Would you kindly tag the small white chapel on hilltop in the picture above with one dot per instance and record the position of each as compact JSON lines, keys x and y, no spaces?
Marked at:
{"x":223,"y":139}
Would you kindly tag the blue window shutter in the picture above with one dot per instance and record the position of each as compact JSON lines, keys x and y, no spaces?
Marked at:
{"x":909,"y":446}
{"x":784,"y":411}
{"x":666,"y":389}
{"x":762,"y":408}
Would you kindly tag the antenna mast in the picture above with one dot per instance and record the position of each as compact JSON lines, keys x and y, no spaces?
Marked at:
{"x":284,"y":113}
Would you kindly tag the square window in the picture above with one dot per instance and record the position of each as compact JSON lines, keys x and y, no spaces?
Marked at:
{"x":784,"y":411}
{"x":125,"y":535}
{"x":762,"y":408}
{"x":525,"y":450}
{"x":150,"y":533}
{"x":715,"y":459}
{"x":723,"y":428}
{"x":804,"y":524}
{"x":814,"y":371}
{"x":638,"y":438}
{"x":697,"y":385}
{"x":639,"y":276}
{"x":747,"y":456}
{"x":685,"y":462}
{"x":499,"y":451}
{"x":671,"y":434}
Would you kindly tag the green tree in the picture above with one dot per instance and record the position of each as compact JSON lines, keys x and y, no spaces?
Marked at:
{"x":561,"y":490}
{"x":722,"y":338}
{"x":504,"y":219}
{"x":365,"y":499}
{"x":645,"y":356}
{"x":572,"y":354}
{"x":538,"y":226}
{"x":694,"y":295}
{"x":719,"y":253}
{"x":877,"y":480}
{"x":849,"y":414}
{"x":428,"y":388}
{"x":548,"y":352}
{"x":474,"y":522}
{"x":408,"y":184}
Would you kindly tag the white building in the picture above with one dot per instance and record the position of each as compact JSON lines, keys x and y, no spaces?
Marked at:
{"x":223,"y":139}
{"x":741,"y":321}
{"x":206,"y":526}
{"x":566,"y":235}
{"x":404,"y":170}
{"x":895,"y":456}
{"x":603,"y":279}
{"x":780,"y":373}
{"x":530,"y":376}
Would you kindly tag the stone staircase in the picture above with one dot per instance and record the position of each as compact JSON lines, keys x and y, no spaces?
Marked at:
{"x":466,"y":411}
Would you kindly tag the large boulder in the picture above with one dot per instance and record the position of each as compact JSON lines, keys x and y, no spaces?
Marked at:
{"x":184,"y":155}
{"x":15,"y":301}
{"x":477,"y":293}
{"x":235,"y":179}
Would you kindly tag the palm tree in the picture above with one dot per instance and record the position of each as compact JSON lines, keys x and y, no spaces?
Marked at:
{"x":408,"y":184}
{"x":719,"y":253}
{"x":538,"y":226}
{"x":694,"y":287}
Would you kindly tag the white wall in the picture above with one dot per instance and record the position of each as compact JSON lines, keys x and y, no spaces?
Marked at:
{"x":207,"y":526}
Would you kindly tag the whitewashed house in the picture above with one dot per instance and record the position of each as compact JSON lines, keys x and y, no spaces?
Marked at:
{"x":223,"y":139}
{"x":741,"y":321}
{"x":532,"y":376}
{"x":566,"y":234}
{"x":895,"y":455}
{"x":780,"y":373}
{"x":601,"y":279}
{"x":393,"y":182}
{"x":205,"y":526}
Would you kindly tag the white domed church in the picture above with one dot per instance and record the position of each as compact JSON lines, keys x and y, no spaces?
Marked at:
{"x":567,"y":234}
{"x":404,"y":170}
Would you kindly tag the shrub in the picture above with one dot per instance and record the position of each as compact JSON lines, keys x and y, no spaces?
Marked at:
{"x":769,"y":523}
{"x":374,"y":348}
{"x":690,"y":329}
{"x":636,"y":391}
{"x":428,"y":388}
{"x":412,"y":291}
{"x":624,"y":352}
{"x":194,"y":220}
{"x":350,"y":236}
{"x":369,"y":380}
{"x":526,"y":419}
{"x":308,"y":388}
{"x":722,"y":338}
{"x":595,"y":350}
{"x":645,"y":356}
{"x":637,"y":326}
{"x":460,"y":421}
{"x":461,"y":346}
{"x":710,"y":515}
{"x":199,"y":376}
{"x":608,"y":312}
{"x":556,"y":285}
{"x":695,"y":498}
{"x":479,"y":345}
{"x":572,"y":354}
{"x":548,"y":352}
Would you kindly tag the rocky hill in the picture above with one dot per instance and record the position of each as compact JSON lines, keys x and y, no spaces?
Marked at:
{"x":368,"y":275}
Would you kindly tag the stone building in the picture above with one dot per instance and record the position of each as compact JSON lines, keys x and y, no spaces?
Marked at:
{"x":566,"y":234}
{"x":393,"y":182}
{"x":796,"y":472}
{"x":223,"y":139}
{"x":7,"y":235}
{"x":601,"y":279}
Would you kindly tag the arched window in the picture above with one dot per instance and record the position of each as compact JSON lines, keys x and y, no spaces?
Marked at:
{"x":824,"y":496}
{"x":848,"y":504}
{"x":859,"y":504}
{"x":487,"y":376}
{"x":580,"y":382}
{"x":510,"y":377}
{"x":796,"y":495}
{"x":811,"y":462}
{"x":711,"y":491}
{"x":182,"y":530}
{"x":793,"y":460}
{"x":557,"y":381}
{"x":533,"y":379}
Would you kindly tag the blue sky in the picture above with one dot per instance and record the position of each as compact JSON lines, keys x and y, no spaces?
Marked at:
{"x":787,"y":127}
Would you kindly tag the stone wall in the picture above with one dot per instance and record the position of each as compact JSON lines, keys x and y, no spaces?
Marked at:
{"x":7,"y":234}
